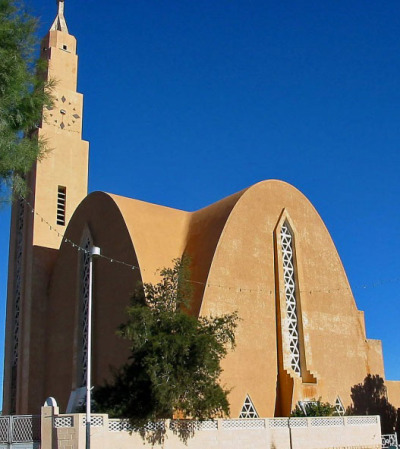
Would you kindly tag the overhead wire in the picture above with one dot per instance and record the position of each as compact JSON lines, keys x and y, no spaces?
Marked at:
{"x":206,"y":284}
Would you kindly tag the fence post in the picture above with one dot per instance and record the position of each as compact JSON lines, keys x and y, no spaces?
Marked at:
{"x":46,"y":425}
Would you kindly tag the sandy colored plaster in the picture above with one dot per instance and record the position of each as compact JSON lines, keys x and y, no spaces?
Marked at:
{"x":393,"y":390}
{"x":242,"y":278}
{"x":158,"y":233}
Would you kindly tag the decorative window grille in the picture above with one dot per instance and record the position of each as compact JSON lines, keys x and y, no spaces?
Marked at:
{"x":95,"y":421}
{"x":248,"y":409}
{"x":327,"y":421}
{"x":298,"y":422}
{"x":305,"y":405}
{"x":61,"y":201}
{"x":84,"y":318}
{"x":339,"y":407}
{"x":389,"y":441}
{"x":63,"y":421}
{"x":361,"y":420}
{"x":186,"y":425}
{"x":119,"y":425}
{"x":290,"y":294}
{"x":17,"y":301}
{"x":243,"y":424}
{"x":278,"y":422}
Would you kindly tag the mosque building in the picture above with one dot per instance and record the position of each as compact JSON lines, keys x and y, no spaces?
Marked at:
{"x":263,"y":252}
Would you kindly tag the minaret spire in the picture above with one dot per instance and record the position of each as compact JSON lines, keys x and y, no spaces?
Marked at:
{"x":59,"y":23}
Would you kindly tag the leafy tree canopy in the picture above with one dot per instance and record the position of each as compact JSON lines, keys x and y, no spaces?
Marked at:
{"x":174,"y":367}
{"x":23,"y":94}
{"x":370,"y":398}
{"x":314,"y":408}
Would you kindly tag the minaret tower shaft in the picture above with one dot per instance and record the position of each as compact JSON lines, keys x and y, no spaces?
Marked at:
{"x":57,"y":183}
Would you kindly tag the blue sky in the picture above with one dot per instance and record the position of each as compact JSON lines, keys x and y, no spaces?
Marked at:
{"x":187,"y":102}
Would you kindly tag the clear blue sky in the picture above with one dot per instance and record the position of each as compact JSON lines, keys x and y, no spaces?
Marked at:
{"x":189,"y":101}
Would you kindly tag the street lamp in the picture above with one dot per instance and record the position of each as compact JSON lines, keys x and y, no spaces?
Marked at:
{"x":94,"y":252}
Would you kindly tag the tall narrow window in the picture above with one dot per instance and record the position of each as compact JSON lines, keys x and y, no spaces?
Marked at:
{"x":339,"y":407}
{"x":248,"y":409}
{"x":290,"y":295}
{"x":83,"y":312}
{"x":17,"y":303}
{"x":61,"y":201}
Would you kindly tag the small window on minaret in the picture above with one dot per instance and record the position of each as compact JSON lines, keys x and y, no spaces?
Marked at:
{"x":61,"y":200}
{"x":65,"y":47}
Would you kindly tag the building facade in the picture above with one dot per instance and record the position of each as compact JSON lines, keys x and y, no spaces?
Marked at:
{"x":263,"y":252}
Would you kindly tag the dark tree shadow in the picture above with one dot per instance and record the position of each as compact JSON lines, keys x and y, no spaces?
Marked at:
{"x":370,"y":398}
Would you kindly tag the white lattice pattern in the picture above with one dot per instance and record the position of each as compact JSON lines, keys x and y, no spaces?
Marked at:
{"x":290,"y":294}
{"x":63,"y":421}
{"x":278,"y":422}
{"x":339,"y":407}
{"x":238,"y":424}
{"x":361,"y":420}
{"x":119,"y":425}
{"x":154,"y":425}
{"x":248,"y":409}
{"x":123,"y":425}
{"x":95,"y":421}
{"x":329,"y":421}
{"x":193,"y":425}
{"x":389,"y":440}
{"x":298,"y":422}
{"x":84,"y":311}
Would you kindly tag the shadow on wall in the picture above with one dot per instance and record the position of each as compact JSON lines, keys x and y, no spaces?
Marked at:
{"x":370,"y":398}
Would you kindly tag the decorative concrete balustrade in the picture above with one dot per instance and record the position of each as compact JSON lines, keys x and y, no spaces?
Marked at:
{"x":339,"y":432}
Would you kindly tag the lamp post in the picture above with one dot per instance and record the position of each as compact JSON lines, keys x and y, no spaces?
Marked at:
{"x":94,"y":252}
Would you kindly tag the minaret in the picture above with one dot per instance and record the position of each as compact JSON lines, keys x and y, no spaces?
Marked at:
{"x":57,"y":183}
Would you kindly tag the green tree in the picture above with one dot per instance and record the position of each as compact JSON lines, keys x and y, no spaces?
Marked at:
{"x":314,"y":408}
{"x":370,"y":398}
{"x":174,"y":365}
{"x":23,"y":94}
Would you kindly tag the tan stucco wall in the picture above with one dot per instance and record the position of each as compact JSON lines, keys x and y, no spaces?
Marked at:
{"x":242,"y":277}
{"x":236,"y":263}
{"x":393,"y":391}
{"x":235,"y":253}
{"x":102,"y":217}
{"x":158,"y":233}
{"x":64,"y":164}
{"x":116,"y":234}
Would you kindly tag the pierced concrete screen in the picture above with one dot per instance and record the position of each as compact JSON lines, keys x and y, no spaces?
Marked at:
{"x":84,"y":317}
{"x":290,"y":295}
{"x":248,"y":409}
{"x":339,"y":407}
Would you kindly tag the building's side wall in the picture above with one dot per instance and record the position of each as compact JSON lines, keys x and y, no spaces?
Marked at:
{"x":113,"y":285}
{"x":393,"y":390}
{"x":242,"y":278}
{"x":63,"y":166}
{"x":133,"y":232}
{"x":157,"y":232}
{"x":375,"y":357}
{"x":204,"y":232}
